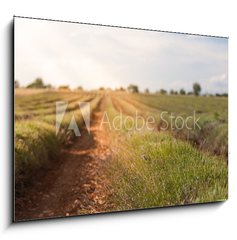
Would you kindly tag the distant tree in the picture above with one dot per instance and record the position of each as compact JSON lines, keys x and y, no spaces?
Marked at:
{"x":64,"y":87}
{"x":48,"y":86}
{"x":16,"y":84}
{"x":163,"y":91}
{"x":175,"y":93}
{"x":182,"y":92}
{"x":120,"y":89}
{"x":133,"y":88}
{"x":171,"y":92}
{"x":80,"y":88}
{"x":197,"y":89}
{"x":101,"y":88}
{"x":221,"y":94}
{"x":38,"y":83}
{"x":190,"y":93}
{"x":147,"y":91}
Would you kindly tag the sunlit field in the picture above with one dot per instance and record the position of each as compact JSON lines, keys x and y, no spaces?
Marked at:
{"x":163,"y":168}
{"x":36,"y":141}
{"x":156,"y":165}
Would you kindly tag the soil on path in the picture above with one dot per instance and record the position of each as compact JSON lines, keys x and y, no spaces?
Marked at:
{"x":75,"y":184}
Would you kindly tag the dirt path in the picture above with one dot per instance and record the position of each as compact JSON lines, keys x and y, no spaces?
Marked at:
{"x":75,"y":184}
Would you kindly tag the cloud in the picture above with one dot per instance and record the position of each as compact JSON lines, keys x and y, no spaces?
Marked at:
{"x":218,"y":83}
{"x":219,"y":79}
{"x":94,"y":56}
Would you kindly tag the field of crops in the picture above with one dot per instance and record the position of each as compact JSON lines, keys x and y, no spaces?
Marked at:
{"x":212,"y":112}
{"x":36,"y":141}
{"x":162,"y":168}
{"x":148,"y":166}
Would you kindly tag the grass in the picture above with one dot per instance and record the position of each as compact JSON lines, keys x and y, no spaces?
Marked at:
{"x":212,"y":112}
{"x":35,"y":145}
{"x":43,"y":107}
{"x":36,"y":141}
{"x":157,"y":170}
{"x":150,"y":168}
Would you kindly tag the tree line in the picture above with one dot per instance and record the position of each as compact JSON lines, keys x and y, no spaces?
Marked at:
{"x":196,"y":90}
{"x":132,"y":88}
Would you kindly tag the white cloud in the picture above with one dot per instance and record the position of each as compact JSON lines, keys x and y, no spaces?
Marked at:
{"x":93,"y":56}
{"x":219,"y":78}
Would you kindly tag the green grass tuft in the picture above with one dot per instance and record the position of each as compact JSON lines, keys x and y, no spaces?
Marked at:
{"x":153,"y":169}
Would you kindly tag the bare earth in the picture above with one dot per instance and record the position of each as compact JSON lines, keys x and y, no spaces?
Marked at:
{"x":74,"y":184}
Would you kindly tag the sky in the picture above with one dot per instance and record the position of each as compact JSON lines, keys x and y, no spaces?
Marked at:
{"x":96,"y":56}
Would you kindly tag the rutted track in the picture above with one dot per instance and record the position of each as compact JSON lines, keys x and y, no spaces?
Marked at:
{"x":75,"y":184}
